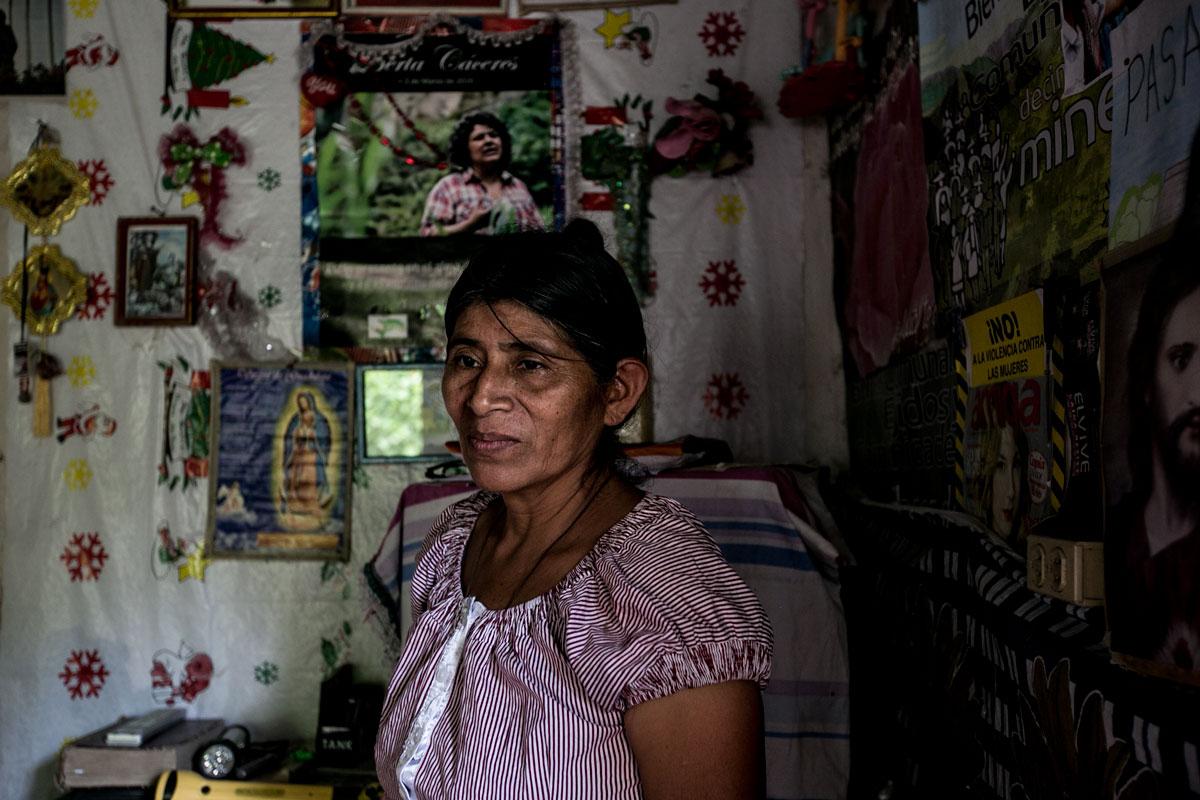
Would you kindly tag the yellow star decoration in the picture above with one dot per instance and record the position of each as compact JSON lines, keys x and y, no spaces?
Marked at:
{"x":613,"y":25}
{"x":83,"y":9}
{"x":81,"y":372}
{"x":730,"y":209}
{"x":196,"y":564}
{"x":83,"y":103}
{"x":77,"y":474}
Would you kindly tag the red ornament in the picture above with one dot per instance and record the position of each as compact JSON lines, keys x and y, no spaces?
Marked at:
{"x":820,"y":89}
{"x":321,"y":90}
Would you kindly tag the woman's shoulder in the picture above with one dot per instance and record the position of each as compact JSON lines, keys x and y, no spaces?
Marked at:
{"x":653,"y":522}
{"x":663,"y":610}
{"x":446,"y":537}
{"x":662,"y":560}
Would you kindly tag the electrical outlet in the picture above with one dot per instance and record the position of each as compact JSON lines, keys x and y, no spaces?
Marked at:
{"x":1065,"y":569}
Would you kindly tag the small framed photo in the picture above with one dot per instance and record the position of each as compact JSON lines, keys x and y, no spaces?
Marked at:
{"x":156,"y":270}
{"x":253,"y":8}
{"x":282,"y":460}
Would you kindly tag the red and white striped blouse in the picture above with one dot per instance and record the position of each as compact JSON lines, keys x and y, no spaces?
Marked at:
{"x":535,"y":708}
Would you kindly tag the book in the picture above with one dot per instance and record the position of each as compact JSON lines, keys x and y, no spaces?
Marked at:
{"x":136,"y":731}
{"x":89,"y":762}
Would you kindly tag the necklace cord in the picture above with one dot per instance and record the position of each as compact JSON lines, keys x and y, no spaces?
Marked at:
{"x":579,"y":515}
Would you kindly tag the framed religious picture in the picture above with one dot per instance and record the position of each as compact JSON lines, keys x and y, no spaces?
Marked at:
{"x":282,"y":458}
{"x":1150,"y":438}
{"x":460,"y":7}
{"x":156,"y":270}
{"x":253,"y":8}
{"x":401,"y":414}
{"x":32,"y":56}
{"x":451,"y":129}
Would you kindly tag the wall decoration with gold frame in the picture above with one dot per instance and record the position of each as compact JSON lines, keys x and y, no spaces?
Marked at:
{"x":233,"y":9}
{"x":44,"y":191}
{"x":53,"y":289}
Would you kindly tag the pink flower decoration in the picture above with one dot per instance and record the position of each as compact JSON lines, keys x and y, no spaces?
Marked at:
{"x":697,"y":123}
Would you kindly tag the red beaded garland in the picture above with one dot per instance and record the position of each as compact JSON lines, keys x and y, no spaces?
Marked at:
{"x":400,"y":152}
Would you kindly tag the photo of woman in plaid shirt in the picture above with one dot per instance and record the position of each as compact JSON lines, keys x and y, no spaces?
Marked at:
{"x":482,"y":196}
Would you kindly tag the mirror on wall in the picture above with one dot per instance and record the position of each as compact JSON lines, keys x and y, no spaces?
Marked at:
{"x":401,"y":415}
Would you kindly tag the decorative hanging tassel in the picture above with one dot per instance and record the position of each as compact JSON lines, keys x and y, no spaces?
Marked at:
{"x":48,"y":367}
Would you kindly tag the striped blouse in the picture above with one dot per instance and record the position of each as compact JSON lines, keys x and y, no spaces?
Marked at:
{"x":535,"y":708}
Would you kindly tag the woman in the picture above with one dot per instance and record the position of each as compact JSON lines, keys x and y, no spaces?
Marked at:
{"x":305,"y":485}
{"x":482,"y":196}
{"x":1003,"y":494}
{"x":573,"y":637}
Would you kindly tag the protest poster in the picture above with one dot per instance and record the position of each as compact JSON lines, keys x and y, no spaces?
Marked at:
{"x":1155,"y":115}
{"x":1017,"y":172}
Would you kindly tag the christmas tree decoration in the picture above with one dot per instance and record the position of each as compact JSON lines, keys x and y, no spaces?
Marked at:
{"x":615,"y":155}
{"x":45,"y":289}
{"x":199,"y":58}
{"x":45,"y":190}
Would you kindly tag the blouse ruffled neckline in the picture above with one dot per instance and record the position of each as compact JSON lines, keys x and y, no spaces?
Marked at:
{"x":459,"y":533}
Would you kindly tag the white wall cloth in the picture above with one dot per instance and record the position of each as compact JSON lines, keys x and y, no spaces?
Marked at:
{"x":264,"y":633}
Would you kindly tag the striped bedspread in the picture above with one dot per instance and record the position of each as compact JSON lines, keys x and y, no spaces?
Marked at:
{"x":769,"y":526}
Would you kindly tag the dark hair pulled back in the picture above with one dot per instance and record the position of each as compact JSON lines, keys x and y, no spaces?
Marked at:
{"x":460,"y":137}
{"x":569,"y":280}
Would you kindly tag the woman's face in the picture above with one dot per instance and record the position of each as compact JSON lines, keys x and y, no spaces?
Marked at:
{"x":484,"y":145}
{"x":302,"y":402}
{"x":526,"y":405}
{"x":1006,"y":483}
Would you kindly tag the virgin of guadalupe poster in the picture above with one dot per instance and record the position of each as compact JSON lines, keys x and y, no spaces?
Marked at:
{"x":281,"y":475}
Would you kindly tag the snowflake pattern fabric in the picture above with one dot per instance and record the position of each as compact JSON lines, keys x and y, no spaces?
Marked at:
{"x":83,"y":9}
{"x":84,"y":557}
{"x":725,"y":397}
{"x":721,"y":33}
{"x":83,"y":103}
{"x":731,"y":209}
{"x":77,"y":475}
{"x":100,"y":180}
{"x":81,"y":372}
{"x":99,"y":297}
{"x":722,"y":283}
{"x":266,"y":673}
{"x":269,"y":180}
{"x":269,"y":296}
{"x":83,"y":674}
